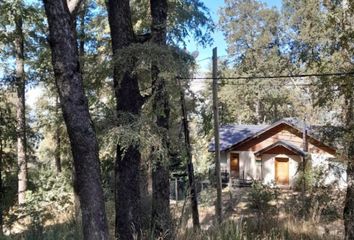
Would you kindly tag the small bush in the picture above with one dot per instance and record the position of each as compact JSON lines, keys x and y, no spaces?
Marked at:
{"x":260,"y":197}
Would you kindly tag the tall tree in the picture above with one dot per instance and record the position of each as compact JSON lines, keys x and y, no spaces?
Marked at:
{"x":128,"y":106}
{"x":254,"y":44}
{"x":322,"y":34}
{"x":21,"y":110}
{"x":65,"y":59}
{"x":161,"y":217}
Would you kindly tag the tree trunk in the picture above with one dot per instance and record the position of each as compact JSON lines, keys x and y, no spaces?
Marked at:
{"x":21,"y":112}
{"x":349,"y":200}
{"x":74,"y":104}
{"x":161,"y":217}
{"x":129,"y":103}
{"x":190,"y":169}
{"x":127,"y":166}
{"x":57,"y":151}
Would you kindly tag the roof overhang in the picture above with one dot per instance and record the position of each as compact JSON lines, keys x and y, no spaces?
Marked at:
{"x":283,"y":144}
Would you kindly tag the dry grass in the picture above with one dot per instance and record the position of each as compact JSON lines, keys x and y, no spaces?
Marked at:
{"x":241,"y":222}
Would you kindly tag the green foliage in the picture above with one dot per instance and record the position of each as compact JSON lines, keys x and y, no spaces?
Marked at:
{"x":187,"y":19}
{"x":322,"y":200}
{"x":70,"y":230}
{"x":49,"y":195}
{"x":255,"y":47}
{"x":171,"y":62}
{"x":260,"y":197}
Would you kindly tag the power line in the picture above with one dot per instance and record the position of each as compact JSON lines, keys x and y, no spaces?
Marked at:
{"x":270,"y":76}
{"x":203,"y":59}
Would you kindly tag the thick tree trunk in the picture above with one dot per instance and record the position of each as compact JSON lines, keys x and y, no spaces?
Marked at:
{"x":349,"y":201}
{"x":57,"y":151}
{"x":127,"y":166}
{"x":21,"y":112}
{"x":129,"y":102}
{"x":161,"y":216}
{"x":84,"y":146}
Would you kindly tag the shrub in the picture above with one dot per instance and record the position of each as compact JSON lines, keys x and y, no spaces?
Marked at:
{"x":260,"y":197}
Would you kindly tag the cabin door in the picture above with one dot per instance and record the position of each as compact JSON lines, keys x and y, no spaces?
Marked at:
{"x":282,"y":171}
{"x":234,"y":165}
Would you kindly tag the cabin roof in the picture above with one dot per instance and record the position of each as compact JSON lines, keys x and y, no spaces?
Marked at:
{"x":233,"y":134}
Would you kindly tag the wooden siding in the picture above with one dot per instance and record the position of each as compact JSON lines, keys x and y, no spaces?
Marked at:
{"x":279,"y":150}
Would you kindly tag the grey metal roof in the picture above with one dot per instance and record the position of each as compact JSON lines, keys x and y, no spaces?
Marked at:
{"x":232,"y":134}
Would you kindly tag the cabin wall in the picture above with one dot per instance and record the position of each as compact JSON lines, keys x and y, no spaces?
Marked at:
{"x":265,"y":169}
{"x":247,"y":164}
{"x":268,"y":167}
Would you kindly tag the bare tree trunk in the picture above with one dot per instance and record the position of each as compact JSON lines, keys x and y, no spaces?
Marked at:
{"x":57,"y":137}
{"x":21,"y":112}
{"x":190,"y":169}
{"x":129,"y":103}
{"x":74,"y":104}
{"x":161,"y":216}
{"x":349,"y":200}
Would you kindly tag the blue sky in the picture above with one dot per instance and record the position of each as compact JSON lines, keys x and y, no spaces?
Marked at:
{"x":219,"y":42}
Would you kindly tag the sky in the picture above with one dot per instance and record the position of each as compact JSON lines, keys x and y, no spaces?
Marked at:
{"x":219,"y":41}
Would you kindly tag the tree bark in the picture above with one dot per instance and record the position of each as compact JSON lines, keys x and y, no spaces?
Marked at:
{"x":21,"y":112}
{"x":74,"y":104}
{"x":348,"y":213}
{"x":127,"y":166}
{"x":161,"y":217}
{"x":128,"y":102}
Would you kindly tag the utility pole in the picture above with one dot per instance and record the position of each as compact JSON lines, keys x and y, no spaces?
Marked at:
{"x":191,"y":178}
{"x":218,"y":206}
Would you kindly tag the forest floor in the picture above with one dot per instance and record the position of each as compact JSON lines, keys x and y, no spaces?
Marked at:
{"x":283,"y":214}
